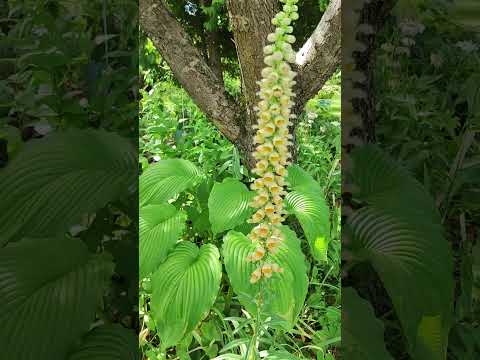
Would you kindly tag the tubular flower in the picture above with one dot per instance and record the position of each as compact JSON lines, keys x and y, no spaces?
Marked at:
{"x":272,"y":140}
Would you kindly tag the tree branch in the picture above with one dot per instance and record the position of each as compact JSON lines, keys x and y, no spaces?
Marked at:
{"x":251,"y":23}
{"x":189,"y":67}
{"x":320,"y":56}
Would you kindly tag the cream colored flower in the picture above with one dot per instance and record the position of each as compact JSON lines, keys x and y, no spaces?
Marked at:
{"x":256,"y":275}
{"x":257,"y":217}
{"x":267,"y":270}
{"x":273,"y":139}
{"x":262,"y":230}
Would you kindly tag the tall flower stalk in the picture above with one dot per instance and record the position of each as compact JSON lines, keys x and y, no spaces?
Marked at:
{"x":273,"y":139}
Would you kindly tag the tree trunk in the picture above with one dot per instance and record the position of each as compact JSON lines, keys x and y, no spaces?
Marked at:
{"x":189,"y":67}
{"x":251,"y":23}
{"x":213,"y":50}
{"x":374,"y":14}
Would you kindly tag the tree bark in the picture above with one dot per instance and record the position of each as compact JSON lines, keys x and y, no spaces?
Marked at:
{"x":213,"y":49}
{"x":190,"y":68}
{"x":214,"y":58}
{"x":374,"y":14}
{"x":251,"y":23}
{"x":320,"y":56}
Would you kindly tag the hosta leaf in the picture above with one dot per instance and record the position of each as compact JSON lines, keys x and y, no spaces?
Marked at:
{"x":286,"y":291}
{"x":167,"y":178}
{"x":429,"y":338}
{"x":48,"y":309}
{"x":108,"y":342}
{"x":185,"y":286}
{"x":362,"y":332}
{"x":160,"y":227}
{"x":297,"y":177}
{"x":307,"y":203}
{"x":53,"y":181}
{"x":400,"y":233}
{"x":228,"y":205}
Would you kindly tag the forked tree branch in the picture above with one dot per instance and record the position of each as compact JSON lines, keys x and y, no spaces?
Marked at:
{"x":189,"y":67}
{"x":319,"y":57}
{"x":251,"y":23}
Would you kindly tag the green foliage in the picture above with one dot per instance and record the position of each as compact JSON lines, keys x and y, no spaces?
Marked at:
{"x":302,"y":323}
{"x":466,"y":13}
{"x":61,"y":174}
{"x":184,"y":288}
{"x":284,"y":294}
{"x":228,"y":205}
{"x":318,"y":136}
{"x":362,"y":331}
{"x":306,"y":201}
{"x":31,"y":310}
{"x":215,"y":200}
{"x":166,"y":179}
{"x":400,"y":233}
{"x":68,"y":191}
{"x":107,"y":342}
{"x":171,"y":126}
{"x":159,"y":229}
{"x":427,"y":119}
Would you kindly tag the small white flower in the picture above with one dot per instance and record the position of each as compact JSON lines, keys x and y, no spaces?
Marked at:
{"x":43,"y":128}
{"x":387,"y":47}
{"x":408,"y":41}
{"x":411,"y":28}
{"x":467,"y":46}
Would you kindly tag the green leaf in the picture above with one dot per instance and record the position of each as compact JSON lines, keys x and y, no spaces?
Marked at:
{"x":160,"y":227}
{"x":53,"y":181}
{"x":281,"y":355}
{"x":401,"y":235}
{"x":465,"y":13}
{"x":297,"y":177}
{"x":286,"y":291}
{"x":362,"y":332}
{"x":307,"y":203}
{"x":108,"y":342}
{"x":185,"y":286}
{"x":167,"y":178}
{"x":50,"y":291}
{"x":236,"y":167}
{"x":228,"y":205}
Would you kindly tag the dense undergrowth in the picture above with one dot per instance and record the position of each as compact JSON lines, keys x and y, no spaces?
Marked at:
{"x":427,"y":105}
{"x":172,"y":127}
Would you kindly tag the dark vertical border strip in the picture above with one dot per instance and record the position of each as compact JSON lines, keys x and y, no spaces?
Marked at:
{"x":410,"y":179}
{"x":68,"y":179}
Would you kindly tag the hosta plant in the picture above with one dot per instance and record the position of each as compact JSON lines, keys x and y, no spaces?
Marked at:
{"x":242,"y":228}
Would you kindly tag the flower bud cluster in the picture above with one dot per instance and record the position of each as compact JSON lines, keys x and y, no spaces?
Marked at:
{"x":272,"y":140}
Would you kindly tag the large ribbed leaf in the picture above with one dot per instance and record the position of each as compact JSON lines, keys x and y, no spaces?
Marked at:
{"x":160,"y":228}
{"x":167,"y":178}
{"x":53,"y":181}
{"x":286,"y":294}
{"x":108,"y":342}
{"x":400,"y":233}
{"x":298,"y":177}
{"x":50,"y":289}
{"x":362,"y":332}
{"x":228,"y":205}
{"x":185,"y":286}
{"x":307,"y":203}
